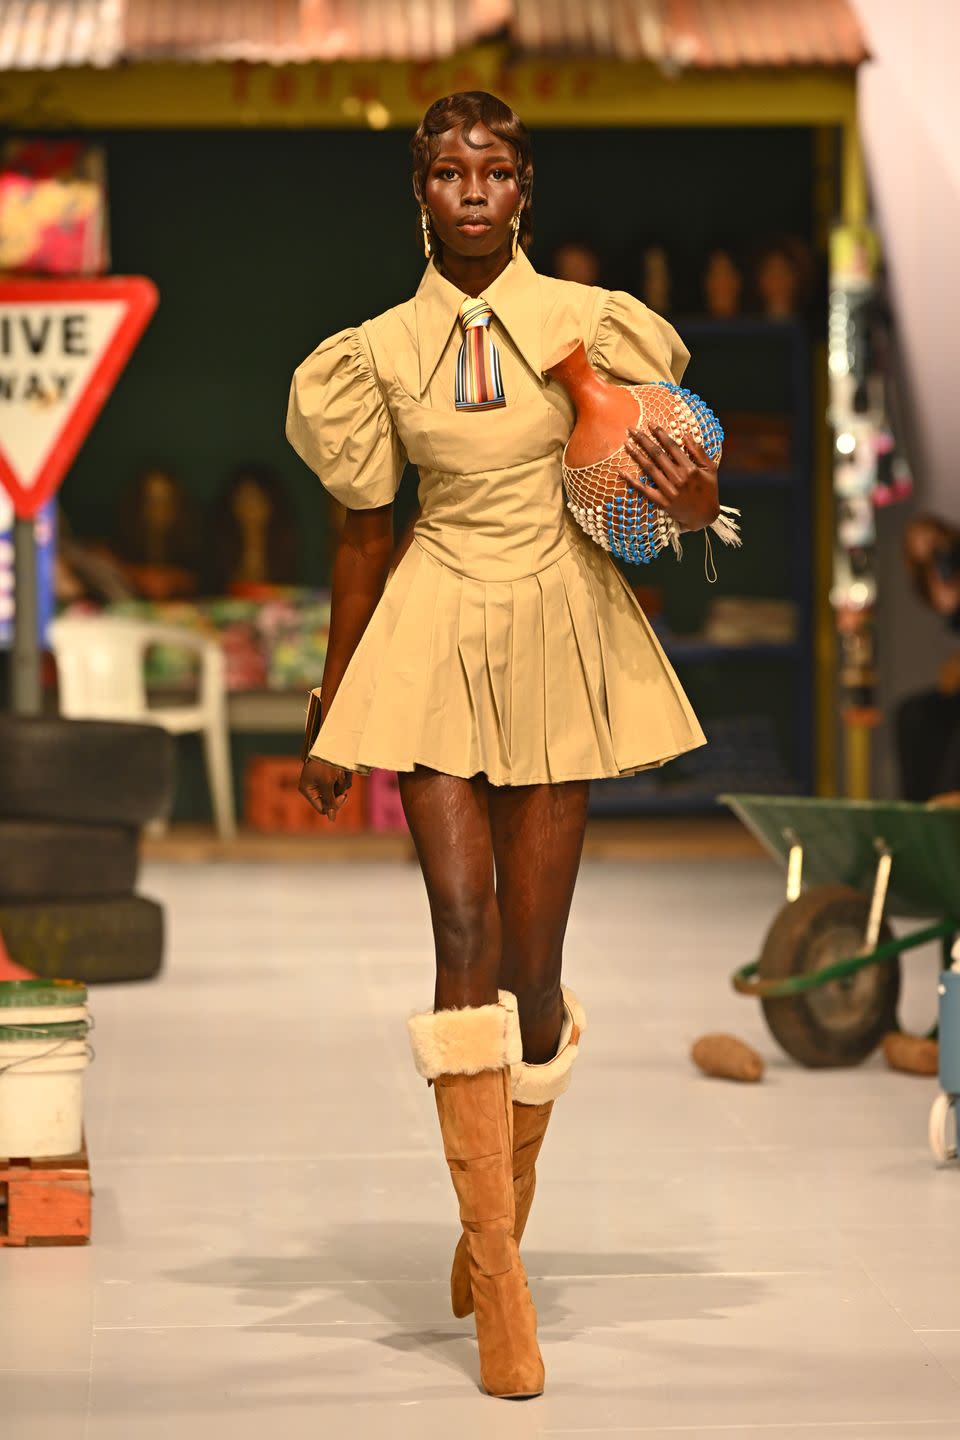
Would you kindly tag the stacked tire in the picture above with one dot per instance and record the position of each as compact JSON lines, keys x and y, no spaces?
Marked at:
{"x":74,"y":795}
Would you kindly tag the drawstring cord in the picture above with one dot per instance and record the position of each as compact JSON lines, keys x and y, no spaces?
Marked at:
{"x":708,"y":560}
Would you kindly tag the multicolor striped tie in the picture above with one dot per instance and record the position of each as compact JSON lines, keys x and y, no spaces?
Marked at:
{"x":479,"y":381}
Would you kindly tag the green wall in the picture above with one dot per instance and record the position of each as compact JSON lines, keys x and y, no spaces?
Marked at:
{"x":264,"y":242}
{"x":261,"y":243}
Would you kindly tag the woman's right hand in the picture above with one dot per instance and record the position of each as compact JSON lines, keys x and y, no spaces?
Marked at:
{"x":325,"y":786}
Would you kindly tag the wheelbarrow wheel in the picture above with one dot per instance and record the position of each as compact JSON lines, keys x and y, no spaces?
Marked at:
{"x":943,"y":1128}
{"x":843,"y":1022}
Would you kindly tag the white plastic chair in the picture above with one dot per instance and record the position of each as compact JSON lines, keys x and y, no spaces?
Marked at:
{"x":100,"y":668}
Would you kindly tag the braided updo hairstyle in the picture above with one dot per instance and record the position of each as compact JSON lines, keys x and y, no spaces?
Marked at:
{"x":467,"y":108}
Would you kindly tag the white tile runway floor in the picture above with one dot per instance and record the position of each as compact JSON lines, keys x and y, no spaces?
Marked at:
{"x":274,"y":1220}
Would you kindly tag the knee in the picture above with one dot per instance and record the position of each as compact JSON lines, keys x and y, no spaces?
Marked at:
{"x":463,"y":929}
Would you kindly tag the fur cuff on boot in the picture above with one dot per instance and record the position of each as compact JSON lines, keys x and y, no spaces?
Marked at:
{"x":536,"y":1084}
{"x":467,"y":1040}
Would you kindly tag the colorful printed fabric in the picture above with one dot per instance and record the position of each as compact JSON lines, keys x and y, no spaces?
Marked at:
{"x":479,"y":381}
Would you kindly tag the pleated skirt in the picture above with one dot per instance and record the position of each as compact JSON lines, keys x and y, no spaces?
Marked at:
{"x":550,"y":677}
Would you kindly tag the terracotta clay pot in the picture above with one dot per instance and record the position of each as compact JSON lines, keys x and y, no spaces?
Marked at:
{"x":607,"y":507}
{"x":616,"y":516}
{"x":604,"y":411}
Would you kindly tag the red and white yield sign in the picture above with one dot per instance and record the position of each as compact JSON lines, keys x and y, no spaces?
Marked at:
{"x":63,"y":344}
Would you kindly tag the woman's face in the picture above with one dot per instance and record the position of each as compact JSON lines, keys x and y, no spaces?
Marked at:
{"x":777,"y":283}
{"x":159,"y":500}
{"x":577,"y":262}
{"x":473,"y":194}
{"x":251,"y":504}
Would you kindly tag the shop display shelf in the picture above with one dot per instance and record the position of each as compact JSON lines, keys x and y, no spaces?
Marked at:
{"x":749,"y":366}
{"x":748,"y":327}
{"x":658,"y":800}
{"x":620,"y":797}
{"x":755,"y":479}
{"x":692,"y":650}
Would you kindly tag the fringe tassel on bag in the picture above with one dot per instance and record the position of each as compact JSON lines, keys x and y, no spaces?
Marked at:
{"x":725,"y":528}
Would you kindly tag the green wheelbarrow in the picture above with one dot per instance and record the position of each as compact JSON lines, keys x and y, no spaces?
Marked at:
{"x":828,"y":976}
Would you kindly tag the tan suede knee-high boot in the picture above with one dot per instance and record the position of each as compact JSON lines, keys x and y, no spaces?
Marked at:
{"x":467,"y":1054}
{"x":535,"y":1087}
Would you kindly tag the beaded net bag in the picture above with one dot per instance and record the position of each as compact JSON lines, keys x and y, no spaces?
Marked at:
{"x":618,"y":517}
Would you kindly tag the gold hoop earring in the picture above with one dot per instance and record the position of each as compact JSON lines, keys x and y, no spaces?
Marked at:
{"x":425,"y":227}
{"x":516,"y":235}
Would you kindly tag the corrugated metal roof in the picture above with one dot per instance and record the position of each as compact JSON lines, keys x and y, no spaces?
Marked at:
{"x":711,"y":34}
{"x":624,"y":29}
{"x":211,"y":29}
{"x":300,"y":30}
{"x":45,"y":34}
{"x":398,"y":29}
{"x":720,"y":34}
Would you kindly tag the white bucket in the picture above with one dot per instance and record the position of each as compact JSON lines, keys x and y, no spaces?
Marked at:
{"x":32,"y":1015}
{"x":42,"y":1002}
{"x":41,"y":1091}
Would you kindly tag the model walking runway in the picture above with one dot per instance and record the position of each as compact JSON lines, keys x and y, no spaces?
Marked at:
{"x":504,"y":666}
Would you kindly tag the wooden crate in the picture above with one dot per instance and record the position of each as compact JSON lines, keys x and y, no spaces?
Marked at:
{"x":272,"y":802}
{"x":45,"y":1202}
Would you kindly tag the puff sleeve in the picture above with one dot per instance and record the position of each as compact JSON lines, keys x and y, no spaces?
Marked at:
{"x":634,"y":343}
{"x":339,"y":423}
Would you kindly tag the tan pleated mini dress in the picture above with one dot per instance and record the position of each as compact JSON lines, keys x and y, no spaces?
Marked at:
{"x":505,"y":642}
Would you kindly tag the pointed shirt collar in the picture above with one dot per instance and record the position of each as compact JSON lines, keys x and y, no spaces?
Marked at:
{"x":514,"y":298}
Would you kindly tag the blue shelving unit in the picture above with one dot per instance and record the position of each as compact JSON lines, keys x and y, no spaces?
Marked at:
{"x":687,"y":785}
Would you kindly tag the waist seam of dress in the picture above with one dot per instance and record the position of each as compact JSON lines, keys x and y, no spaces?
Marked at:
{"x":492,"y":579}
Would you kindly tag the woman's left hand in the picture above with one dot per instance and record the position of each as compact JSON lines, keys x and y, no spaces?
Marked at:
{"x":684,"y":476}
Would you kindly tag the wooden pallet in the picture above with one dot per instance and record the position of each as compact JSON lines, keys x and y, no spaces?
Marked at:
{"x":45,"y":1202}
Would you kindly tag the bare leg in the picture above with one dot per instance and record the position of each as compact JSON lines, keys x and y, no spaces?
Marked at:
{"x":450,"y":825}
{"x":537,"y":833}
